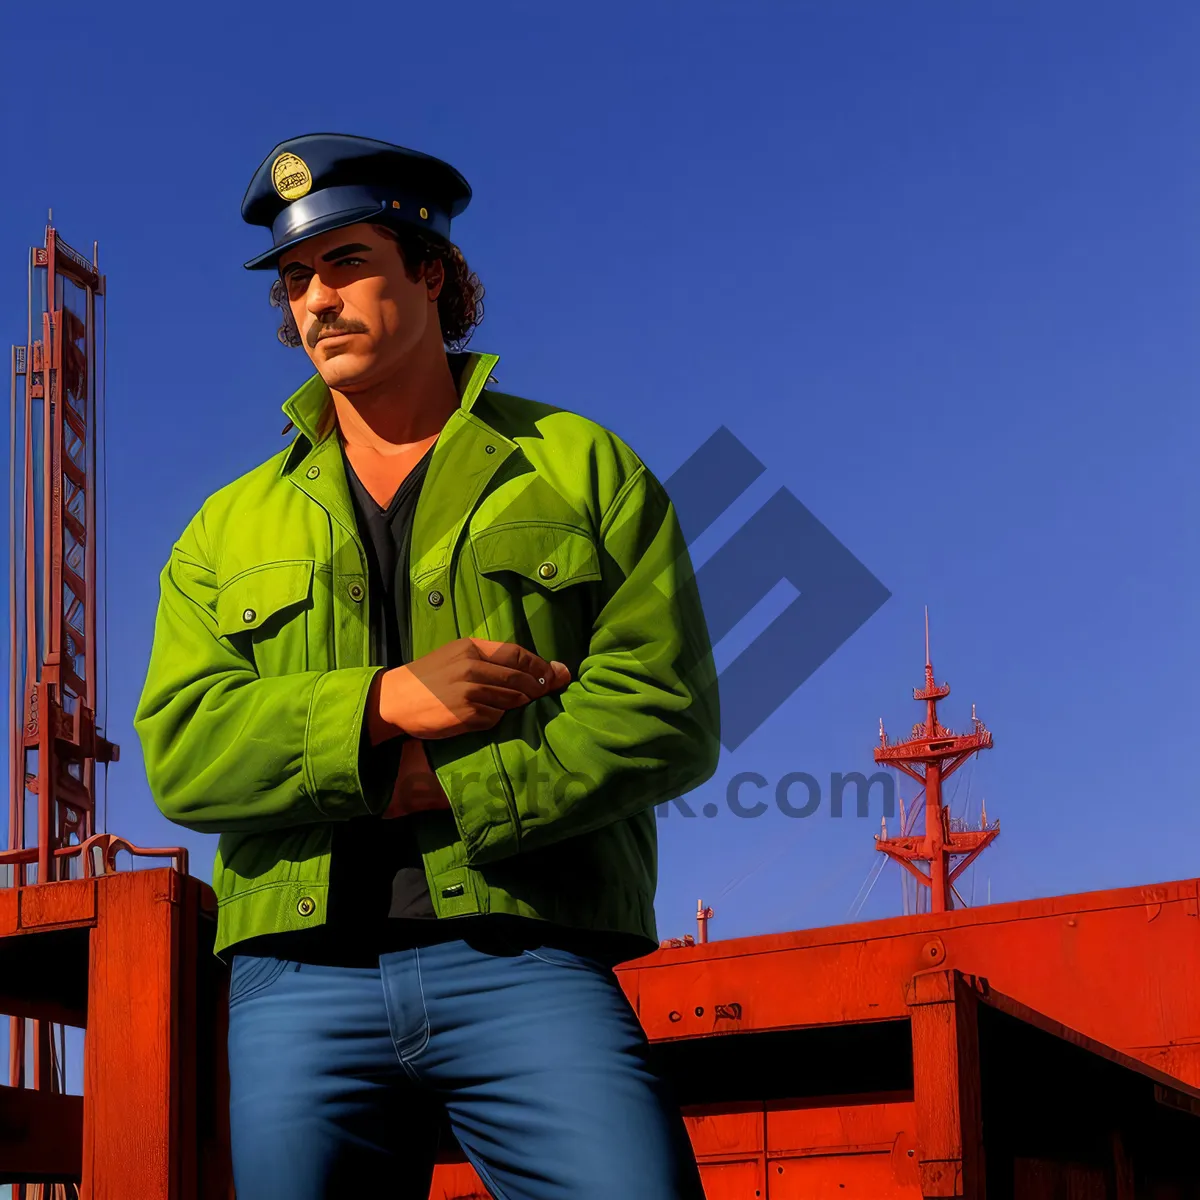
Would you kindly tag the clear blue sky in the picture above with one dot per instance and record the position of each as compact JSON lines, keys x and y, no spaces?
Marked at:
{"x":937,"y":265}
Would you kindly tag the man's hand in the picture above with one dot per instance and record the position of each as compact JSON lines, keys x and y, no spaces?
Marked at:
{"x":464,"y":686}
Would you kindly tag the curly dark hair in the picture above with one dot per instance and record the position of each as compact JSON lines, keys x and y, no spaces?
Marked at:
{"x":460,"y":303}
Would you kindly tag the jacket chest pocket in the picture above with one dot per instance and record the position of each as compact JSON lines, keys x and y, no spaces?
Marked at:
{"x":265,"y":613}
{"x":536,"y":582}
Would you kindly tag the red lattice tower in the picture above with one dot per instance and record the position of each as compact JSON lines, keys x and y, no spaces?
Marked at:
{"x":930,"y":756}
{"x":55,"y":652}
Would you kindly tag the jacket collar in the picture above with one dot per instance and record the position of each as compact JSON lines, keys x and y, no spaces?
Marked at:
{"x":310,"y":408}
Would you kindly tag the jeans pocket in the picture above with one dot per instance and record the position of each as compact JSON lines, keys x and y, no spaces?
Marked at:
{"x":250,"y":974}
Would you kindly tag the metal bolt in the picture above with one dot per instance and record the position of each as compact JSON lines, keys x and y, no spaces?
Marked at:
{"x":306,"y":906}
{"x":547,"y":570}
{"x":490,"y":449}
{"x":313,"y":472}
{"x":436,"y":598}
{"x":356,"y":591}
{"x":249,"y":615}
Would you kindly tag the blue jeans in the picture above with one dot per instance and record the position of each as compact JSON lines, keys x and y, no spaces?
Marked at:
{"x":339,"y":1076}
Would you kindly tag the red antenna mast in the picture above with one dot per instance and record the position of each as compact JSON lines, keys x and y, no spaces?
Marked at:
{"x":930,"y":756}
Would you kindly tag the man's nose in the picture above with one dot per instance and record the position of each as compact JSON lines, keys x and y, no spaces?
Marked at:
{"x":322,"y":298}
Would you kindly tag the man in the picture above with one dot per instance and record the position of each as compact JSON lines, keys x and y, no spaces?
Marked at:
{"x":427,"y":672}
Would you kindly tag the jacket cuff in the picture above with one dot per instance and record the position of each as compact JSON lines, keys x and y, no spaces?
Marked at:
{"x":485,"y":812}
{"x":333,"y":742}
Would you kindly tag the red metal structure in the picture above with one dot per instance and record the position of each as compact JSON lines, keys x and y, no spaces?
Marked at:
{"x":57,"y":389}
{"x":53,"y":741}
{"x":55,"y":735}
{"x":930,"y":756}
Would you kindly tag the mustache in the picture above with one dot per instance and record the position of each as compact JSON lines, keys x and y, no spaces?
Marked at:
{"x":319,"y":330}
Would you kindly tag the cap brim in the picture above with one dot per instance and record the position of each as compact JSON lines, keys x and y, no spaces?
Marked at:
{"x":350,"y":216}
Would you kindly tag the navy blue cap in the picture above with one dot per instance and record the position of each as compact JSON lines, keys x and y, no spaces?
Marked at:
{"x":322,"y":181}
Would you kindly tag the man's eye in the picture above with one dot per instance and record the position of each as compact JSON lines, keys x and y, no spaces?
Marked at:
{"x":341,"y":262}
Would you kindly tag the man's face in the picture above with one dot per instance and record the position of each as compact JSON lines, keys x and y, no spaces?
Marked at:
{"x":358,"y":313}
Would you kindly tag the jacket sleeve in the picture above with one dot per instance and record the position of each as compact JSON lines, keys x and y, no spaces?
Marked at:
{"x":638,"y":726}
{"x":228,"y":751}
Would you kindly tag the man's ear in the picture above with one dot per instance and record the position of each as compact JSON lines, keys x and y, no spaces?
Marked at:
{"x":435,"y":278}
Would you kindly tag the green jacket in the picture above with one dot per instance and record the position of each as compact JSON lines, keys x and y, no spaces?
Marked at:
{"x":534,"y":525}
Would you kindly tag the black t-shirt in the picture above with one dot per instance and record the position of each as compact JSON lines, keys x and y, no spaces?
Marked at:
{"x":388,"y":845}
{"x":378,"y":894}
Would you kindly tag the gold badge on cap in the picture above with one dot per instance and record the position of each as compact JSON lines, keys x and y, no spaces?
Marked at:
{"x":291,"y":176}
